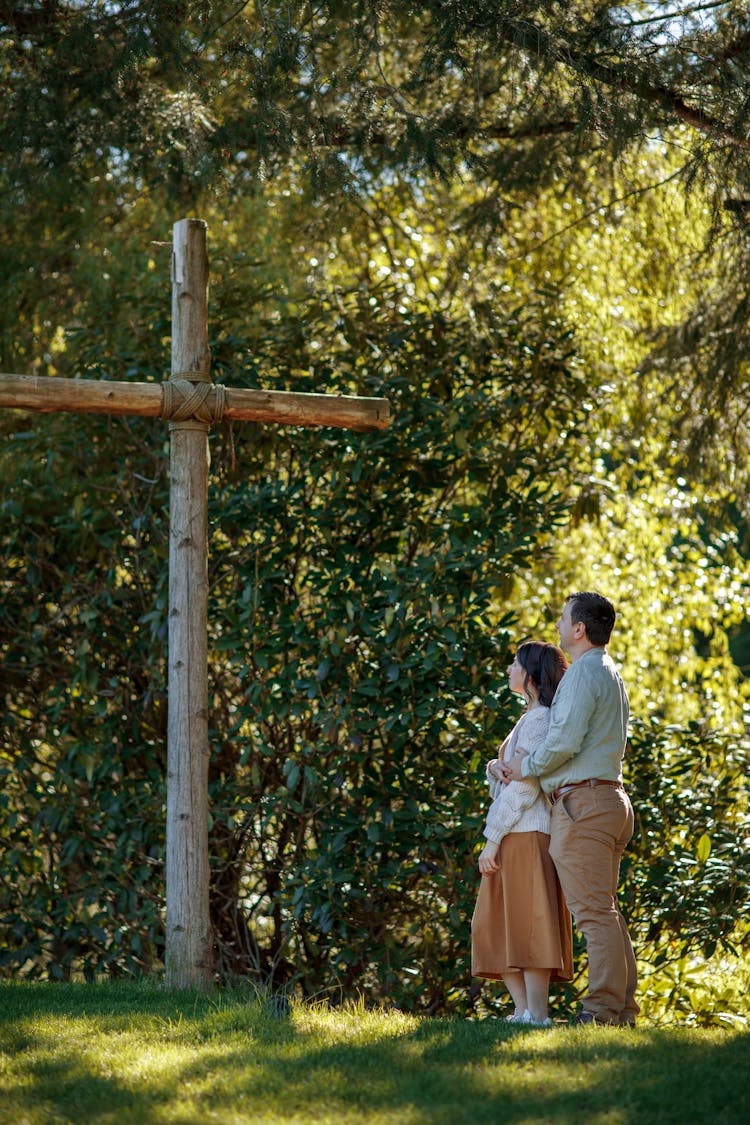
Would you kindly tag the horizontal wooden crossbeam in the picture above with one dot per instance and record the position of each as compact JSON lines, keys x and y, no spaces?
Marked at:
{"x":47,"y":395}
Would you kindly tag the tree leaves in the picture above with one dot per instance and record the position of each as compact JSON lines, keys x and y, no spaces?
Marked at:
{"x":461,"y":206}
{"x":686,"y":882}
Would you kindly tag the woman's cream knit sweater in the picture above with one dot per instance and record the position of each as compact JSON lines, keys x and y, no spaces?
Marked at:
{"x":520,"y":806}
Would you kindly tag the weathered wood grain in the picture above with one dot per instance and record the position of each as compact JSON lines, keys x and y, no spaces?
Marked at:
{"x":44,"y":395}
{"x":188,"y":955}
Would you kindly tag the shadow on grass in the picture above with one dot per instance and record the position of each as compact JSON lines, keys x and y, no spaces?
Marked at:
{"x":186,"y":1059}
{"x":441,"y":1074}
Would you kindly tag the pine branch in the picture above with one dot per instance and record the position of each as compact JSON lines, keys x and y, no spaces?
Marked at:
{"x":534,"y":39}
{"x":680,"y":13}
{"x":738,"y":46}
{"x":340,"y":135}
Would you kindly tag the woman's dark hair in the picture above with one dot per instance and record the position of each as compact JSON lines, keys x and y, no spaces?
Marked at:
{"x":544,"y":665}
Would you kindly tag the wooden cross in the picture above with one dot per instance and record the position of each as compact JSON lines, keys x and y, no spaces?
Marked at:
{"x":189,"y":402}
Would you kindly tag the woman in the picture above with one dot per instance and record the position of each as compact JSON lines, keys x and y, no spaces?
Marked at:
{"x":521,"y":929}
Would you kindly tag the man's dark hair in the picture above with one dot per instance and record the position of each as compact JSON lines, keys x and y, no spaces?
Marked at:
{"x":596,"y":613}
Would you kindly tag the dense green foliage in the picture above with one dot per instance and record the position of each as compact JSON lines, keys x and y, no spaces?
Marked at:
{"x":688,"y":870}
{"x":525,"y":248}
{"x":357,"y":660}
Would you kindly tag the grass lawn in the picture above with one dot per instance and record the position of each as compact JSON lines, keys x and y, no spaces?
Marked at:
{"x":133,"y":1053}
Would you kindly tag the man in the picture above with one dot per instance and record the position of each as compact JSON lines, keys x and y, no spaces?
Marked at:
{"x":579,"y":766}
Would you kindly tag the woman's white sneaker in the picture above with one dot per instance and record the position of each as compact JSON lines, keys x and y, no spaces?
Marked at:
{"x":527,"y":1018}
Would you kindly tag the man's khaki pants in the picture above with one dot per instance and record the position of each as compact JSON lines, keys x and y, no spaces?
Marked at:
{"x":590,"y":829}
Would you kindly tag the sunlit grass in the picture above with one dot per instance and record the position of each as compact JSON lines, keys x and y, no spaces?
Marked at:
{"x":133,"y":1053}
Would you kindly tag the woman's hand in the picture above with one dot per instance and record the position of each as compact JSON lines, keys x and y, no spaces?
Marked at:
{"x":495,"y":767}
{"x":488,"y":861}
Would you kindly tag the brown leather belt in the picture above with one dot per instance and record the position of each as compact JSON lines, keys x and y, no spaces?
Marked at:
{"x":591,"y":782}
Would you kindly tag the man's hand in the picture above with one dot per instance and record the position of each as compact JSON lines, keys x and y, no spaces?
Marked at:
{"x":511,"y":770}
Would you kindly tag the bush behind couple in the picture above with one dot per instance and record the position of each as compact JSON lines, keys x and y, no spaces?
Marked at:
{"x":558,"y":825}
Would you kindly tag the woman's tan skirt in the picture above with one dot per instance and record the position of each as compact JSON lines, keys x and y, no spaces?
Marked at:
{"x":520,"y":918}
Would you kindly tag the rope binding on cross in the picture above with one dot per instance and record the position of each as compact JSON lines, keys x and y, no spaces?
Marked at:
{"x":185,"y":401}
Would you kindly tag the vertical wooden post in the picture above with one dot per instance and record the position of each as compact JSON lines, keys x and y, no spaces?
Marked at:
{"x":188,"y":930}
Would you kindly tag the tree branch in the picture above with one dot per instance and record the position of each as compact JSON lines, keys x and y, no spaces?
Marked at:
{"x":532,"y":38}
